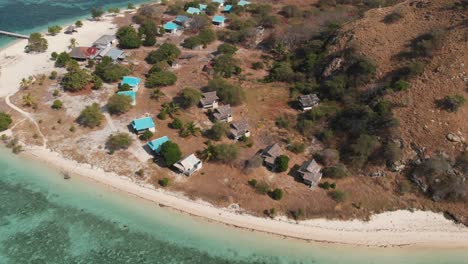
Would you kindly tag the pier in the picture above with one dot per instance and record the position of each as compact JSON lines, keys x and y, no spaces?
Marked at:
{"x":15,"y":35}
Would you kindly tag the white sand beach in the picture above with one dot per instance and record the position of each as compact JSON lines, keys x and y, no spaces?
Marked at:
{"x":15,"y":64}
{"x":393,"y":229}
{"x":397,"y":228}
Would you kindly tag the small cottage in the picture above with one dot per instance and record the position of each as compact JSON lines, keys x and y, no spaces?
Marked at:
{"x":219,"y":21}
{"x":171,"y":27}
{"x":105,"y":41}
{"x":306,"y":102}
{"x":227,"y":9}
{"x":269,"y":155}
{"x":202,"y":7}
{"x":131,"y":81}
{"x":114,"y":53}
{"x":193,"y":11}
{"x":223,"y":113}
{"x":189,"y":165}
{"x":156,"y":144}
{"x":209,"y":100}
{"x":310,"y":173}
{"x":83,"y":53}
{"x":141,"y":125}
{"x":182,"y":20}
{"x":239,"y":129}
{"x":243,"y":3}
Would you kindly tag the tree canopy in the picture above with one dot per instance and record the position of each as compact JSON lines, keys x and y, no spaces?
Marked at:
{"x":227,"y":92}
{"x":189,"y":97}
{"x":36,"y":43}
{"x":5,"y":121}
{"x":171,"y":153}
{"x":109,"y":71}
{"x":118,"y":141}
{"x":76,"y":80}
{"x":119,"y":104}
{"x":168,"y":52}
{"x":128,"y":37}
{"x":159,"y":79}
{"x":91,"y":116}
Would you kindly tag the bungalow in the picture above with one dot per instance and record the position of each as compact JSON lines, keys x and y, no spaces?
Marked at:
{"x":189,"y":165}
{"x":182,"y":20}
{"x":223,"y":113}
{"x":219,"y":21}
{"x":141,"y":125}
{"x":171,"y":27}
{"x":310,"y":173}
{"x":131,"y":94}
{"x":202,"y":7}
{"x":243,"y":3}
{"x":240,"y":129}
{"x":156,"y":144}
{"x":105,"y":41}
{"x":70,"y":30}
{"x":227,"y":9}
{"x":269,"y":155}
{"x":83,"y":53}
{"x":133,"y":82}
{"x":220,"y":2}
{"x":114,"y":53}
{"x":193,"y":11}
{"x":209,"y":100}
{"x":306,"y":102}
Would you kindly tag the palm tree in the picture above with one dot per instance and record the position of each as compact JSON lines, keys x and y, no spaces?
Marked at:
{"x":73,"y":43}
{"x":156,"y":94}
{"x":29,"y":100}
{"x":190,"y":129}
{"x":171,"y":108}
{"x":24,"y":84}
{"x":208,"y":153}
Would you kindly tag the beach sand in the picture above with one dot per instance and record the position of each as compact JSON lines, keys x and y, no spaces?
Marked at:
{"x":397,"y":228}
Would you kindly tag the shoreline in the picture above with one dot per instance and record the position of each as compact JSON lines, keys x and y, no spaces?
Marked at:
{"x":398,"y":229}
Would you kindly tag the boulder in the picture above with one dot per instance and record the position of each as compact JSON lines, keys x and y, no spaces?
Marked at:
{"x":455,"y":138}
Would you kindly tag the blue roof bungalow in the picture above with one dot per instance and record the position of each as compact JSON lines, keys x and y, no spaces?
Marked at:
{"x":131,"y":94}
{"x":182,"y":20}
{"x":193,"y":11}
{"x":243,"y":3}
{"x":171,"y":27}
{"x":227,"y":9}
{"x":220,"y":2}
{"x":202,"y":7}
{"x":156,"y":144}
{"x":141,"y":125}
{"x":131,"y":81}
{"x":219,"y":21}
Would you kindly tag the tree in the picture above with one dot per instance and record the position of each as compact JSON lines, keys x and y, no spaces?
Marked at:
{"x":57,"y":104}
{"x":73,"y":43}
{"x":282,"y":163}
{"x":146,"y":135}
{"x":5,"y":121}
{"x":451,"y":103}
{"x":338,"y":171}
{"x":276,"y":194}
{"x":191,"y":42}
{"x":362,"y":149}
{"x":164,"y":182}
{"x":217,"y":131}
{"x":159,"y":79}
{"x":171,"y":153}
{"x":78,"y":23}
{"x":36,"y":43}
{"x":120,"y":141}
{"x":282,"y":72}
{"x":189,"y":97}
{"x":97,"y":82}
{"x":29,"y":100}
{"x":226,"y":66}
{"x":97,"y":13}
{"x":168,"y":52}
{"x":109,"y":71}
{"x":170,"y":108}
{"x":54,"y":30}
{"x":91,"y":116}
{"x":227,"y":92}
{"x":76,"y":80}
{"x":207,"y":36}
{"x":119,"y":104}
{"x":227,"y":49}
{"x":338,"y":195}
{"x":224,"y":153}
{"x":176,"y":124}
{"x":190,"y":129}
{"x":128,"y":37}
{"x":62,"y":60}
{"x":199,"y":22}
{"x":156,"y":94}
{"x":53,"y":75}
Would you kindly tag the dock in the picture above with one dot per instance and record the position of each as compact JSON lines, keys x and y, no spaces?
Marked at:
{"x":15,"y":35}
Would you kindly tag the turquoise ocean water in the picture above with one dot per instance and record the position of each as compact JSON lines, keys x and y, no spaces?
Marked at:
{"x":46,"y":219}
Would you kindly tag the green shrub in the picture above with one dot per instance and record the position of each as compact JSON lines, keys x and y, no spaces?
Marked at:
{"x":400,"y":85}
{"x":191,"y":42}
{"x":168,"y":52}
{"x":252,"y":183}
{"x":451,"y":103}
{"x":36,"y":43}
{"x":324,"y":185}
{"x":54,"y":30}
{"x":159,"y":79}
{"x":190,"y":97}
{"x":335,"y":172}
{"x":281,"y":72}
{"x":258,"y":65}
{"x":78,"y":23}
{"x":171,"y":153}
{"x":164,"y":182}
{"x":5,"y":121}
{"x":76,"y":80}
{"x":393,"y":17}
{"x":227,"y":92}
{"x":338,"y":195}
{"x":57,"y":104}
{"x":120,"y":141}
{"x":282,"y":163}
{"x":146,"y":135}
{"x":119,"y":104}
{"x":276,"y":194}
{"x":62,"y":60}
{"x":226,"y":66}
{"x":227,"y":49}
{"x":109,"y":71}
{"x":91,"y":116}
{"x":262,"y":187}
{"x":207,"y":36}
{"x":296,"y":147}
{"x":162,"y":115}
{"x":56,"y":93}
{"x":217,"y":131}
{"x":176,"y":124}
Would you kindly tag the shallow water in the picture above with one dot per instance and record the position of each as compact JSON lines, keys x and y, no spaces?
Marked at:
{"x":46,"y":219}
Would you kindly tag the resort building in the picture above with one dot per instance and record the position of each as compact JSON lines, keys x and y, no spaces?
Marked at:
{"x":239,"y":129}
{"x":269,"y":155}
{"x":220,"y":2}
{"x":227,"y":9}
{"x":209,"y":100}
{"x":243,"y":3}
{"x":223,"y":114}
{"x":202,"y":7}
{"x":193,"y":11}
{"x":182,"y":20}
{"x":219,"y":21}
{"x":306,"y":102}
{"x":156,"y":144}
{"x":189,"y":165}
{"x":105,"y":41}
{"x":310,"y":173}
{"x":114,"y":53}
{"x":131,"y":94}
{"x":83,"y":53}
{"x":133,"y":82}
{"x":171,"y":27}
{"x":141,"y":125}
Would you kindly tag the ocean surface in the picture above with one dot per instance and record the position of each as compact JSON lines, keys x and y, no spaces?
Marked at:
{"x":47,"y":219}
{"x":26,"y":16}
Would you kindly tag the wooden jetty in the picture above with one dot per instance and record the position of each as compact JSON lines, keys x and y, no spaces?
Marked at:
{"x":15,"y":35}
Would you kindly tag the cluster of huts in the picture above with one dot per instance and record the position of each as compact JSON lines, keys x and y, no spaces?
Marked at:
{"x":104,"y":46}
